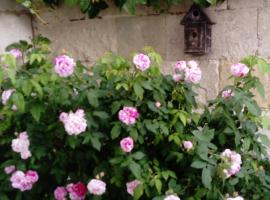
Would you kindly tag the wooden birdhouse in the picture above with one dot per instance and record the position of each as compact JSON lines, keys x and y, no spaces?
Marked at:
{"x":197,"y":31}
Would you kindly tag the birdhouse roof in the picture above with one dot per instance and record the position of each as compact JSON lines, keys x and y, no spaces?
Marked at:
{"x":195,"y":15}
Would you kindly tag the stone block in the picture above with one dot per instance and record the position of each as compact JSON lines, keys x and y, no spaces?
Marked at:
{"x":86,"y":40}
{"x":134,"y":33}
{"x":10,"y":5}
{"x":14,"y":28}
{"x":264,"y":32}
{"x":239,"y":4}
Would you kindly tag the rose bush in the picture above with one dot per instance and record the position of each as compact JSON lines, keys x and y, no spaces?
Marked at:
{"x":123,"y":130}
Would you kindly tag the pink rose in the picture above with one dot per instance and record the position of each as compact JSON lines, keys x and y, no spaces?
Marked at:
{"x":187,"y":145}
{"x":127,"y":144}
{"x":239,"y":70}
{"x":9,"y":169}
{"x":64,"y":65}
{"x":180,"y":66}
{"x":193,"y":74}
{"x":31,"y":176}
{"x":132,"y":185}
{"x":6,"y":95}
{"x":128,"y":115}
{"x":60,"y":193}
{"x":172,"y":197}
{"x":233,"y":161}
{"x":74,"y":123}
{"x":177,"y":77}
{"x":227,"y":94}
{"x":141,"y":61}
{"x":20,"y":180}
{"x":158,"y":104}
{"x":192,"y":64}
{"x":77,"y":191}
{"x":16,"y":53}
{"x":96,"y":187}
{"x":21,"y":145}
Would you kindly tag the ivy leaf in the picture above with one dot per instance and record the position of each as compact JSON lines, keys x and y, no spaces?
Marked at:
{"x":206,"y":177}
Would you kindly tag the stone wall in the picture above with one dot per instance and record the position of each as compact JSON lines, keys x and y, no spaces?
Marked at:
{"x":241,"y":28}
{"x":15,"y":23}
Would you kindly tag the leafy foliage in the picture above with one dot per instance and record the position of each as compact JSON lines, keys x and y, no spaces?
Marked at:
{"x":93,"y":7}
{"x":158,"y":160}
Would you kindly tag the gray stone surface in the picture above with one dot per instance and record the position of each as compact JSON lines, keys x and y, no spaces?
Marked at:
{"x":10,"y":5}
{"x":264,"y":32}
{"x":236,"y":4}
{"x":86,"y":40}
{"x":134,"y":33}
{"x":13,"y":28}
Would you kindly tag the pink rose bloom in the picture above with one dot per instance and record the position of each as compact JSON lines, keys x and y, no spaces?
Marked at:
{"x":128,"y":115}
{"x":16,"y":53}
{"x":77,"y":191}
{"x":192,"y":64}
{"x":21,"y":145}
{"x":60,"y":193}
{"x":96,"y":187}
{"x":6,"y":95}
{"x":20,"y":180}
{"x":180,"y":66}
{"x":141,"y":61}
{"x":31,"y":176}
{"x":74,"y":123}
{"x":9,"y":169}
{"x":233,"y":160}
{"x":172,"y":197}
{"x":239,"y":70}
{"x":158,"y":104}
{"x":127,"y":144}
{"x":64,"y":65}
{"x":193,"y":74}
{"x":227,"y":94}
{"x":177,"y":77}
{"x":236,"y":198}
{"x":187,"y":145}
{"x":132,"y":185}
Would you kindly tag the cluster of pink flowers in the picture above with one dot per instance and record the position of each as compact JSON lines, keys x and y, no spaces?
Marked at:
{"x":188,"y":145}
{"x":23,"y":181}
{"x":75,"y":191}
{"x":239,"y":70}
{"x":96,"y":187}
{"x":235,"y":198}
{"x":21,"y":145}
{"x":6,"y":95}
{"x":132,"y":185}
{"x":226,"y":94}
{"x":64,"y":65}
{"x":141,"y":61}
{"x":233,"y":160}
{"x":16,"y":53}
{"x":188,"y":71}
{"x":75,"y":123}
{"x":172,"y":197}
{"x":127,"y":144}
{"x":128,"y":115}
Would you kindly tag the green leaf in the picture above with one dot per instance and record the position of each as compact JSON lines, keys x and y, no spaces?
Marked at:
{"x":138,"y":155}
{"x":27,"y":88}
{"x":18,"y":100}
{"x":253,"y":108}
{"x":71,"y":2}
{"x":206,"y":177}
{"x":135,"y":169}
{"x":116,"y":131}
{"x":158,"y":185}
{"x":198,"y":164}
{"x":37,"y":87}
{"x":92,"y":98}
{"x":264,"y":66}
{"x":84,"y":5}
{"x":138,"y":192}
{"x":138,"y":90}
{"x":36,"y":111}
{"x":95,"y":142}
{"x":206,"y":136}
{"x":265,"y":140}
{"x":260,"y":88}
{"x":101,"y":114}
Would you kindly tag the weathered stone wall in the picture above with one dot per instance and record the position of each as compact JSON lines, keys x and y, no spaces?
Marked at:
{"x":242,"y":28}
{"x":15,"y":23}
